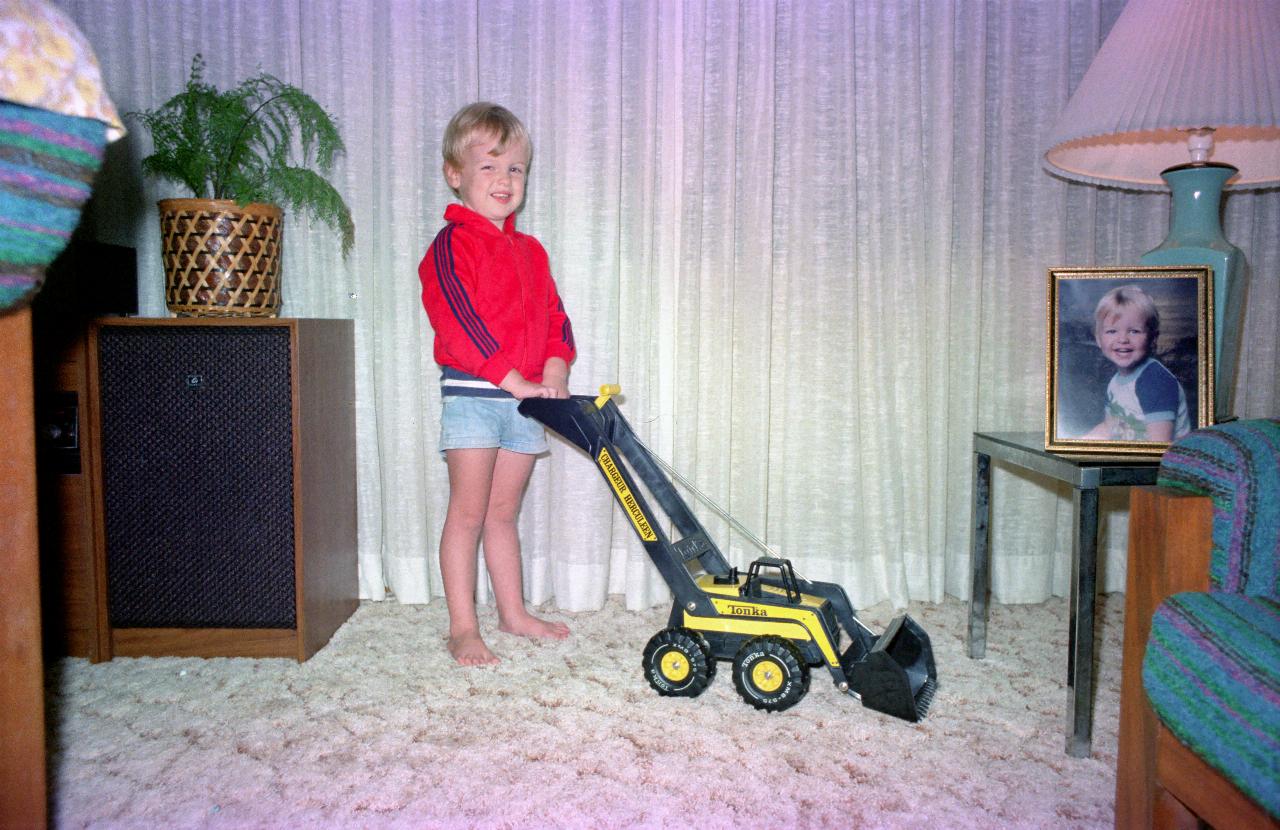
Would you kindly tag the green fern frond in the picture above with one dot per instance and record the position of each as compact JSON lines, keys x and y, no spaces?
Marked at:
{"x":306,"y":191}
{"x":263,"y":141}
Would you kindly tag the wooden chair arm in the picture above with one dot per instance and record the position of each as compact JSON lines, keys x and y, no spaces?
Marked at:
{"x":22,"y":761}
{"x":1170,"y":541}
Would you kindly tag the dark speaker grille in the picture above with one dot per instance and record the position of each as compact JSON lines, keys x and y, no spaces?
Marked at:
{"x":197,"y":471}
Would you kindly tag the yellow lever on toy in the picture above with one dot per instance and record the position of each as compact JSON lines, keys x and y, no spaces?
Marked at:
{"x":607,"y":391}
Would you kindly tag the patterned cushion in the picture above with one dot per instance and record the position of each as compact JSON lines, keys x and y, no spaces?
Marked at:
{"x":1212,"y":674}
{"x":1238,"y":466}
{"x":47,"y":165}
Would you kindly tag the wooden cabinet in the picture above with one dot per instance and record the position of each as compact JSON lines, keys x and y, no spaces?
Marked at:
{"x":224,"y":458}
{"x":68,"y":578}
{"x":213,"y":512}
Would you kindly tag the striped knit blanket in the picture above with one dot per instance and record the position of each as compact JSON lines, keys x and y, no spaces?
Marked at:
{"x":47,"y":165}
{"x":1212,"y":674}
{"x":1238,"y":466}
{"x":1212,"y":666}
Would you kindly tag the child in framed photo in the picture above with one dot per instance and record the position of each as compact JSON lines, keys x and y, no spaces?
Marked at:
{"x":1130,"y":363}
{"x":1144,"y":400}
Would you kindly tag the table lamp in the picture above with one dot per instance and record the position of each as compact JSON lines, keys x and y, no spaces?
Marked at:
{"x":1183,"y":94}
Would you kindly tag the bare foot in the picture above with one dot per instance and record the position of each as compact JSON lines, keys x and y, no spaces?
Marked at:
{"x":469,"y":650}
{"x":531,"y":626}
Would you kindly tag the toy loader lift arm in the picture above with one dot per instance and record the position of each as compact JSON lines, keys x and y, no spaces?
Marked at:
{"x":596,"y":427}
{"x":772,"y":624}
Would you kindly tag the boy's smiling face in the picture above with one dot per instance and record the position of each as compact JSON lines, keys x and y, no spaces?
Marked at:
{"x":1124,"y":338}
{"x":491,"y":182}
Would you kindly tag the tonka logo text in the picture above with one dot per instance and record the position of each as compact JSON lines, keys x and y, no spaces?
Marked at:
{"x":747,"y":611}
{"x":624,"y":495}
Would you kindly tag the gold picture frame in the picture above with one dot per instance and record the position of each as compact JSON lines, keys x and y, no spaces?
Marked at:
{"x":1118,"y":339}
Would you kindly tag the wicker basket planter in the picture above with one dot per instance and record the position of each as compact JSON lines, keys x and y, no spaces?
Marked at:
{"x":221,"y":259}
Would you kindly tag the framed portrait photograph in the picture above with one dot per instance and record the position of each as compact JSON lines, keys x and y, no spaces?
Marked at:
{"x":1130,"y":358}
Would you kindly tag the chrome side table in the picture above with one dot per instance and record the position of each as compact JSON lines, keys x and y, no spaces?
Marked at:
{"x":1085,"y":474}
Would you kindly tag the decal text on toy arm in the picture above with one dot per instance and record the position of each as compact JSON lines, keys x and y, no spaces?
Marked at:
{"x":619,"y":485}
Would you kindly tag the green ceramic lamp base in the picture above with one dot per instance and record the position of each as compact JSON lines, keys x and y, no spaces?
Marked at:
{"x":1195,"y":238}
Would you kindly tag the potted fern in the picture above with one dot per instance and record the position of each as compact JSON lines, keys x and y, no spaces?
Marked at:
{"x":235,"y":151}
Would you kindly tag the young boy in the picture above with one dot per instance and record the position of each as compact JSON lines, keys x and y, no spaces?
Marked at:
{"x":501,"y":335}
{"x":1145,"y":402}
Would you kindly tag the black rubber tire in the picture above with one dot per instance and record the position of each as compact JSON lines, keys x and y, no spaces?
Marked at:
{"x":769,"y":674}
{"x":706,"y":649}
{"x":677,"y":663}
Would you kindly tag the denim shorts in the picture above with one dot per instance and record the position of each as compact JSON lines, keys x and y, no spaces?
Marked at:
{"x":474,"y":423}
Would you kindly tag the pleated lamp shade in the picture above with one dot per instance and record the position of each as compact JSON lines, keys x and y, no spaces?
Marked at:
{"x":1167,"y":67}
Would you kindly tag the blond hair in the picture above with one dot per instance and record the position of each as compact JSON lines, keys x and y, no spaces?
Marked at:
{"x":482,"y":120}
{"x":1125,"y":296}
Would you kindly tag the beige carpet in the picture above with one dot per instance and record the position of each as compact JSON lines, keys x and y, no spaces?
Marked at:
{"x":380,"y":730}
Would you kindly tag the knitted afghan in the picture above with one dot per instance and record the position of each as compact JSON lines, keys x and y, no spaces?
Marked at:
{"x":1238,"y":466}
{"x":47,"y":165}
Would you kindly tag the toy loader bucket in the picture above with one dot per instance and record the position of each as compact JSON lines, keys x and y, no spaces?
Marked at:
{"x":897,"y":676}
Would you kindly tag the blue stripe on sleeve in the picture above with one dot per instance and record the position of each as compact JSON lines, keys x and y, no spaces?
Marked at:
{"x":456,"y":296}
{"x":566,"y":330}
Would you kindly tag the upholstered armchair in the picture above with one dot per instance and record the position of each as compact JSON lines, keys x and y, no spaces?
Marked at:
{"x":1200,"y":690}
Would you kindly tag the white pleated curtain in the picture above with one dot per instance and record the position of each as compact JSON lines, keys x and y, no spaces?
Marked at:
{"x":809,"y":239}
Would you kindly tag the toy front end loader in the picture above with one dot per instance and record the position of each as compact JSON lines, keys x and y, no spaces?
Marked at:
{"x":771,"y":623}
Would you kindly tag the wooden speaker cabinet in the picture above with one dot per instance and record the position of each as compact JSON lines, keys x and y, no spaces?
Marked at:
{"x":223,"y":485}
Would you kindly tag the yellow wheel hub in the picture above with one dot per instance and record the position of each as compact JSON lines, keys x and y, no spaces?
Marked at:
{"x":767,"y":676}
{"x":674,"y":666}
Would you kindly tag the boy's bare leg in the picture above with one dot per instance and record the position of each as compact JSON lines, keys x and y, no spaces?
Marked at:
{"x":502,"y":549}
{"x":470,"y":479}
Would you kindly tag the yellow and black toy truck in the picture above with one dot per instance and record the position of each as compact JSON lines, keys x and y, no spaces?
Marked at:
{"x":773,"y":625}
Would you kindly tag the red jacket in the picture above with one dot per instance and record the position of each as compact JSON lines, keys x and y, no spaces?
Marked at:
{"x":491,"y":300}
